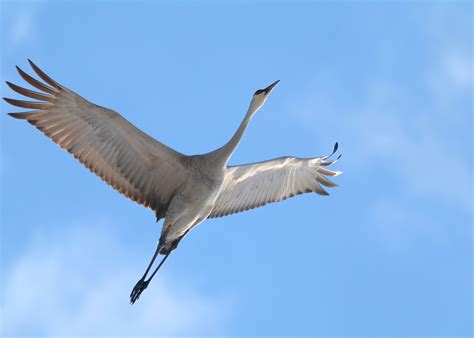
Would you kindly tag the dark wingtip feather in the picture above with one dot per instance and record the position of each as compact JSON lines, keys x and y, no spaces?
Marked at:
{"x":26,"y":104}
{"x":320,"y":191}
{"x":44,"y":76}
{"x":32,"y":64}
{"x":326,"y":182}
{"x":336,"y":146}
{"x":21,"y":116}
{"x":29,"y":93}
{"x":334,"y":149}
{"x":35,"y":83}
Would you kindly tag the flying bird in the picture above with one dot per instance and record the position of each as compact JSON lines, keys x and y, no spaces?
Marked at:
{"x":184,"y":190}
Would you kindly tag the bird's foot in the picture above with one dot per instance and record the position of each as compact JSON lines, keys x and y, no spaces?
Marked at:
{"x":137,"y":290}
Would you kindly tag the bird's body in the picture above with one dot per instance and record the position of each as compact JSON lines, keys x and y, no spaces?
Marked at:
{"x":193,"y":201}
{"x":184,"y":190}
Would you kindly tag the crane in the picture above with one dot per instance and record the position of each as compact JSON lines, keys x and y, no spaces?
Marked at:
{"x":184,"y":190}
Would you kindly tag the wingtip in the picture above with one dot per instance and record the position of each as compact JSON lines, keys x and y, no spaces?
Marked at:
{"x":20,"y":116}
{"x":9,"y":84}
{"x":33,"y":65}
{"x":19,"y":70}
{"x":44,"y":76}
{"x":334,"y":149}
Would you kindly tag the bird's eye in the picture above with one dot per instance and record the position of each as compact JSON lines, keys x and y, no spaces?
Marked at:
{"x":260,"y":91}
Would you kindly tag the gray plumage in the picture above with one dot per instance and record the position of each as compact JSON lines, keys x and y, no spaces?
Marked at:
{"x":185,"y":190}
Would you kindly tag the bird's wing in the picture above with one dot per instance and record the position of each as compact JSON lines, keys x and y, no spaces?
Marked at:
{"x":132,"y":162}
{"x":254,"y":185}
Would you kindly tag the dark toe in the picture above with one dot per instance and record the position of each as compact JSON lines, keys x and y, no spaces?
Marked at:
{"x":137,"y":290}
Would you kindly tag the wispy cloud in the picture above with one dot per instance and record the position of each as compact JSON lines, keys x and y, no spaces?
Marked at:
{"x":22,"y":26}
{"x":459,"y":69}
{"x":413,"y":145}
{"x":416,"y":143}
{"x":19,"y":22}
{"x":76,"y":283}
{"x":420,"y":142}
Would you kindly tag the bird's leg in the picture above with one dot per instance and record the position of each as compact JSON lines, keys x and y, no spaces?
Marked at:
{"x":142,"y":284}
{"x":157,"y":251}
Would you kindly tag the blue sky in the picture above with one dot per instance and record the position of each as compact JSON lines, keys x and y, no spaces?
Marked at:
{"x":389,"y":253}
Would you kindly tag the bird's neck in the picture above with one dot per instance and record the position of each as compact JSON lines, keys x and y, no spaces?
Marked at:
{"x":223,"y":154}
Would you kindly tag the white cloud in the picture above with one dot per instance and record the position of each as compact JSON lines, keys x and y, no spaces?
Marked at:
{"x":451,"y":81}
{"x":20,"y":21}
{"x":421,"y":142}
{"x":22,"y":26}
{"x":77,"y":283}
{"x":414,"y":146}
{"x":458,"y":67}
{"x":420,"y":152}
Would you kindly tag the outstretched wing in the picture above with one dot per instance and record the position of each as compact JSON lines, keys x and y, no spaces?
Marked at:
{"x":254,"y":185}
{"x":132,"y":162}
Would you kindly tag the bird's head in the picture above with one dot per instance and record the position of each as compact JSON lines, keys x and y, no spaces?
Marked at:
{"x":260,"y":97}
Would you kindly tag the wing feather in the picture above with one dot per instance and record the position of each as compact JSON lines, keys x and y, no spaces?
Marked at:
{"x":133,"y":163}
{"x":254,"y":185}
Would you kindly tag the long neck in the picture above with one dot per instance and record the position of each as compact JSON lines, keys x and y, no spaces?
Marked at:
{"x":223,"y":154}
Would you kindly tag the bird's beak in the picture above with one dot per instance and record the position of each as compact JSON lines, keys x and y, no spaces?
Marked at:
{"x":270,"y":87}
